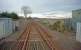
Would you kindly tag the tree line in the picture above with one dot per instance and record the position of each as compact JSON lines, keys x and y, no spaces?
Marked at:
{"x":9,"y":15}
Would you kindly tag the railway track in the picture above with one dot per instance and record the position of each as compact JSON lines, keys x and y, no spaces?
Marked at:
{"x":34,"y":37}
{"x":45,"y":36}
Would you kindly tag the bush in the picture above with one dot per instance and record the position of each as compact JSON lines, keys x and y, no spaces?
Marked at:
{"x":58,"y":26}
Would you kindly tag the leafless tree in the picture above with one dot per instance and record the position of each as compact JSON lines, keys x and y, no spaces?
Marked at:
{"x":26,"y":10}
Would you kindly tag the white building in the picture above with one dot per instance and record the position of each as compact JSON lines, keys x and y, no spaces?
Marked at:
{"x":76,"y":17}
{"x":78,"y":33}
{"x":6,"y":27}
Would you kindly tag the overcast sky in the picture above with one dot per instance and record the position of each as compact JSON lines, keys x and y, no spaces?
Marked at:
{"x":41,"y":6}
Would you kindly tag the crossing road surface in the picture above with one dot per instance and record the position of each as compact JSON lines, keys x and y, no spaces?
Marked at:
{"x":33,"y":37}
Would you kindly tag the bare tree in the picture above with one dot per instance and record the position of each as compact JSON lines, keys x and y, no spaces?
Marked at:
{"x":26,"y":10}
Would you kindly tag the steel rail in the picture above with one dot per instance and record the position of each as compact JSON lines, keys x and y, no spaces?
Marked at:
{"x":21,"y":41}
{"x":45,"y":36}
{"x":46,"y":32}
{"x":27,"y":38}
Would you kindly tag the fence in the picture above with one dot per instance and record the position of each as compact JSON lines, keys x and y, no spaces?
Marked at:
{"x":5,"y":27}
{"x":78,"y":33}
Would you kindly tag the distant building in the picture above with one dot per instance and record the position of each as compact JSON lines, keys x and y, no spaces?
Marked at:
{"x":48,"y":21}
{"x":76,"y":17}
